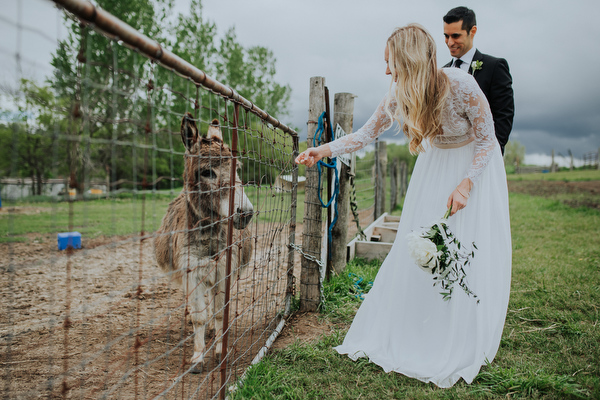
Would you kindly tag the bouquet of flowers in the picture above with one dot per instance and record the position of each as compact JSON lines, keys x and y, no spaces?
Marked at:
{"x":437,"y":251}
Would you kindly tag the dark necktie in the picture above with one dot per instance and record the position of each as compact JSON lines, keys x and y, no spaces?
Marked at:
{"x":458,"y":62}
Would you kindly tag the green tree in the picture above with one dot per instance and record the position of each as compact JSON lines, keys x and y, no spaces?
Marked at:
{"x":252,"y":73}
{"x":514,"y":153}
{"x":195,"y":38}
{"x":121,"y":112}
{"x":109,"y":87}
{"x":9,"y":134}
{"x":402,"y":153}
{"x":30,"y":135}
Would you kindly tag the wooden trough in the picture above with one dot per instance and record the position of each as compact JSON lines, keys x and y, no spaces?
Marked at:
{"x":380,"y":237}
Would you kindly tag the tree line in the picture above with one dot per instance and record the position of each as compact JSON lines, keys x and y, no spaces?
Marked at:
{"x":108,"y":113}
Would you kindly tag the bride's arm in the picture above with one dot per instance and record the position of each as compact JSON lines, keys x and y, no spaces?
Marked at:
{"x":375,"y":126}
{"x":478,"y":112}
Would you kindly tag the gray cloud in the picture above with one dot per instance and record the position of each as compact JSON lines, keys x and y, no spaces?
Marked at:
{"x":550,"y":46}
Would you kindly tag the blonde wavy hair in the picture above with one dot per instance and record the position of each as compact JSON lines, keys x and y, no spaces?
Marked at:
{"x":421,"y":89}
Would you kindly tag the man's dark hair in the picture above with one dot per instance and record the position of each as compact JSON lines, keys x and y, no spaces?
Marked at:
{"x":464,"y":14}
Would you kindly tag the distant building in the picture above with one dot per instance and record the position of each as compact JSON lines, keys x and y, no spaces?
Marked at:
{"x":17,"y":189}
{"x":283,"y":183}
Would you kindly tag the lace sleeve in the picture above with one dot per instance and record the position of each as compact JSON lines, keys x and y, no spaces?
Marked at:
{"x":478,"y":112}
{"x":375,"y":126}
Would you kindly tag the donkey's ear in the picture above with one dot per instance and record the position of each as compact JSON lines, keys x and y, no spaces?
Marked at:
{"x":214,"y":131}
{"x":189,"y":131}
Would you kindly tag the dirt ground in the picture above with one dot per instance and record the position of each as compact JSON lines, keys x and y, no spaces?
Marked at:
{"x":126,"y":334}
{"x":104,"y":321}
{"x":588,"y":192}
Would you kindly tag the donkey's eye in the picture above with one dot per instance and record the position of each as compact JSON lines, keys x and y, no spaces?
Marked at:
{"x":208,"y":173}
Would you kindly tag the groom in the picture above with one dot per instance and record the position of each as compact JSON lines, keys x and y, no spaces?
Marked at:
{"x":491,"y":73}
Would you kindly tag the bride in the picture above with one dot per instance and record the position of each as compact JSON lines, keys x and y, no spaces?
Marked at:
{"x":404,"y":325}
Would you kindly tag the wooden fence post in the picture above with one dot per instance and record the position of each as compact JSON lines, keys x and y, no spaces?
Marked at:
{"x":343,"y":114}
{"x":310,"y":275}
{"x":375,"y":174}
{"x":571,"y":162}
{"x":394,"y":184}
{"x":380,"y":168}
{"x":403,"y":178}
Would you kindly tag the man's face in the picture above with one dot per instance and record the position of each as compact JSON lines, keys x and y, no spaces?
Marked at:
{"x":458,"y":40}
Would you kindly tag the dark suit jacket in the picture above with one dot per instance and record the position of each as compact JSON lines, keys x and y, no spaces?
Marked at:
{"x":496,"y":83}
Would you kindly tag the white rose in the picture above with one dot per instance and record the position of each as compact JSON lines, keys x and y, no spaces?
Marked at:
{"x":423,"y":251}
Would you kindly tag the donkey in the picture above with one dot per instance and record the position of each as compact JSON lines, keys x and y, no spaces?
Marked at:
{"x":192,"y":239}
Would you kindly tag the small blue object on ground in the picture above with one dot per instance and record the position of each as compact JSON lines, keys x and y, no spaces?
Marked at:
{"x":69,"y":239}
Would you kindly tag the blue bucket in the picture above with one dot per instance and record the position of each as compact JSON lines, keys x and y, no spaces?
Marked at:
{"x":69,"y":239}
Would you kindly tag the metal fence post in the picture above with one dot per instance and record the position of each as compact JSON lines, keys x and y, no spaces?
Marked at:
{"x":234,"y":146}
{"x":292,"y":232}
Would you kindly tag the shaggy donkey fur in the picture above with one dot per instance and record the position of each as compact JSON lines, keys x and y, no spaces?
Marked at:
{"x":192,"y":240}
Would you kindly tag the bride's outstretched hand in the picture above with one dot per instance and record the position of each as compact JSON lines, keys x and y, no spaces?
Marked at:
{"x":311,"y":156}
{"x":459,"y":196}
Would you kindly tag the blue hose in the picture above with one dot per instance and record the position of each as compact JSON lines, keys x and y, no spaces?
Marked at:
{"x":336,"y":185}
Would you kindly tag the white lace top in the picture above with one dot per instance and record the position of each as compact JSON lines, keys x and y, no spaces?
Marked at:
{"x":465,"y":117}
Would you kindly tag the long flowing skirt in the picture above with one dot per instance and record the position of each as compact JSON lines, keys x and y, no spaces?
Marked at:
{"x":404,"y":325}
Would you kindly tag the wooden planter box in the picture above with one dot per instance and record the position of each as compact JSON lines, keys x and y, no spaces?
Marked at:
{"x":380,"y":237}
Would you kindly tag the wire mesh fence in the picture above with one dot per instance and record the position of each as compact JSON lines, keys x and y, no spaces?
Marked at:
{"x":364,"y":190}
{"x":128,"y":142}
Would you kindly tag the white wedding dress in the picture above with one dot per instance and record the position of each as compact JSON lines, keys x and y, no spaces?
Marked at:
{"x":404,"y":325}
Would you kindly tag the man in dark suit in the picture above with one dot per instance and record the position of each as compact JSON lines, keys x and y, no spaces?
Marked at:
{"x":491,"y":73}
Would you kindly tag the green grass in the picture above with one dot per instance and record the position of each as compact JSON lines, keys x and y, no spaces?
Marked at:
{"x":99,"y":217}
{"x":343,"y":293}
{"x":550,"y":348}
{"x":569,"y":176}
{"x":13,"y":239}
{"x":123,"y":215}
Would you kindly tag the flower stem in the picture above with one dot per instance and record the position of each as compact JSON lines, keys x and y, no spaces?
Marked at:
{"x":447,"y":212}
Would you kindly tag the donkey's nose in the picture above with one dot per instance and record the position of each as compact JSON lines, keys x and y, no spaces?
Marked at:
{"x":245,"y":217}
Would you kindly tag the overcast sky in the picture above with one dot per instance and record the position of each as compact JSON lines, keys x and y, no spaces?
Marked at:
{"x":551,"y":47}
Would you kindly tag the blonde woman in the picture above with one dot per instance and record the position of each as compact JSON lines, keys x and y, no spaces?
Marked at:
{"x":404,"y":325}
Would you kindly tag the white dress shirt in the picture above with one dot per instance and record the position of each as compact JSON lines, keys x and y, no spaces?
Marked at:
{"x":467,"y":58}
